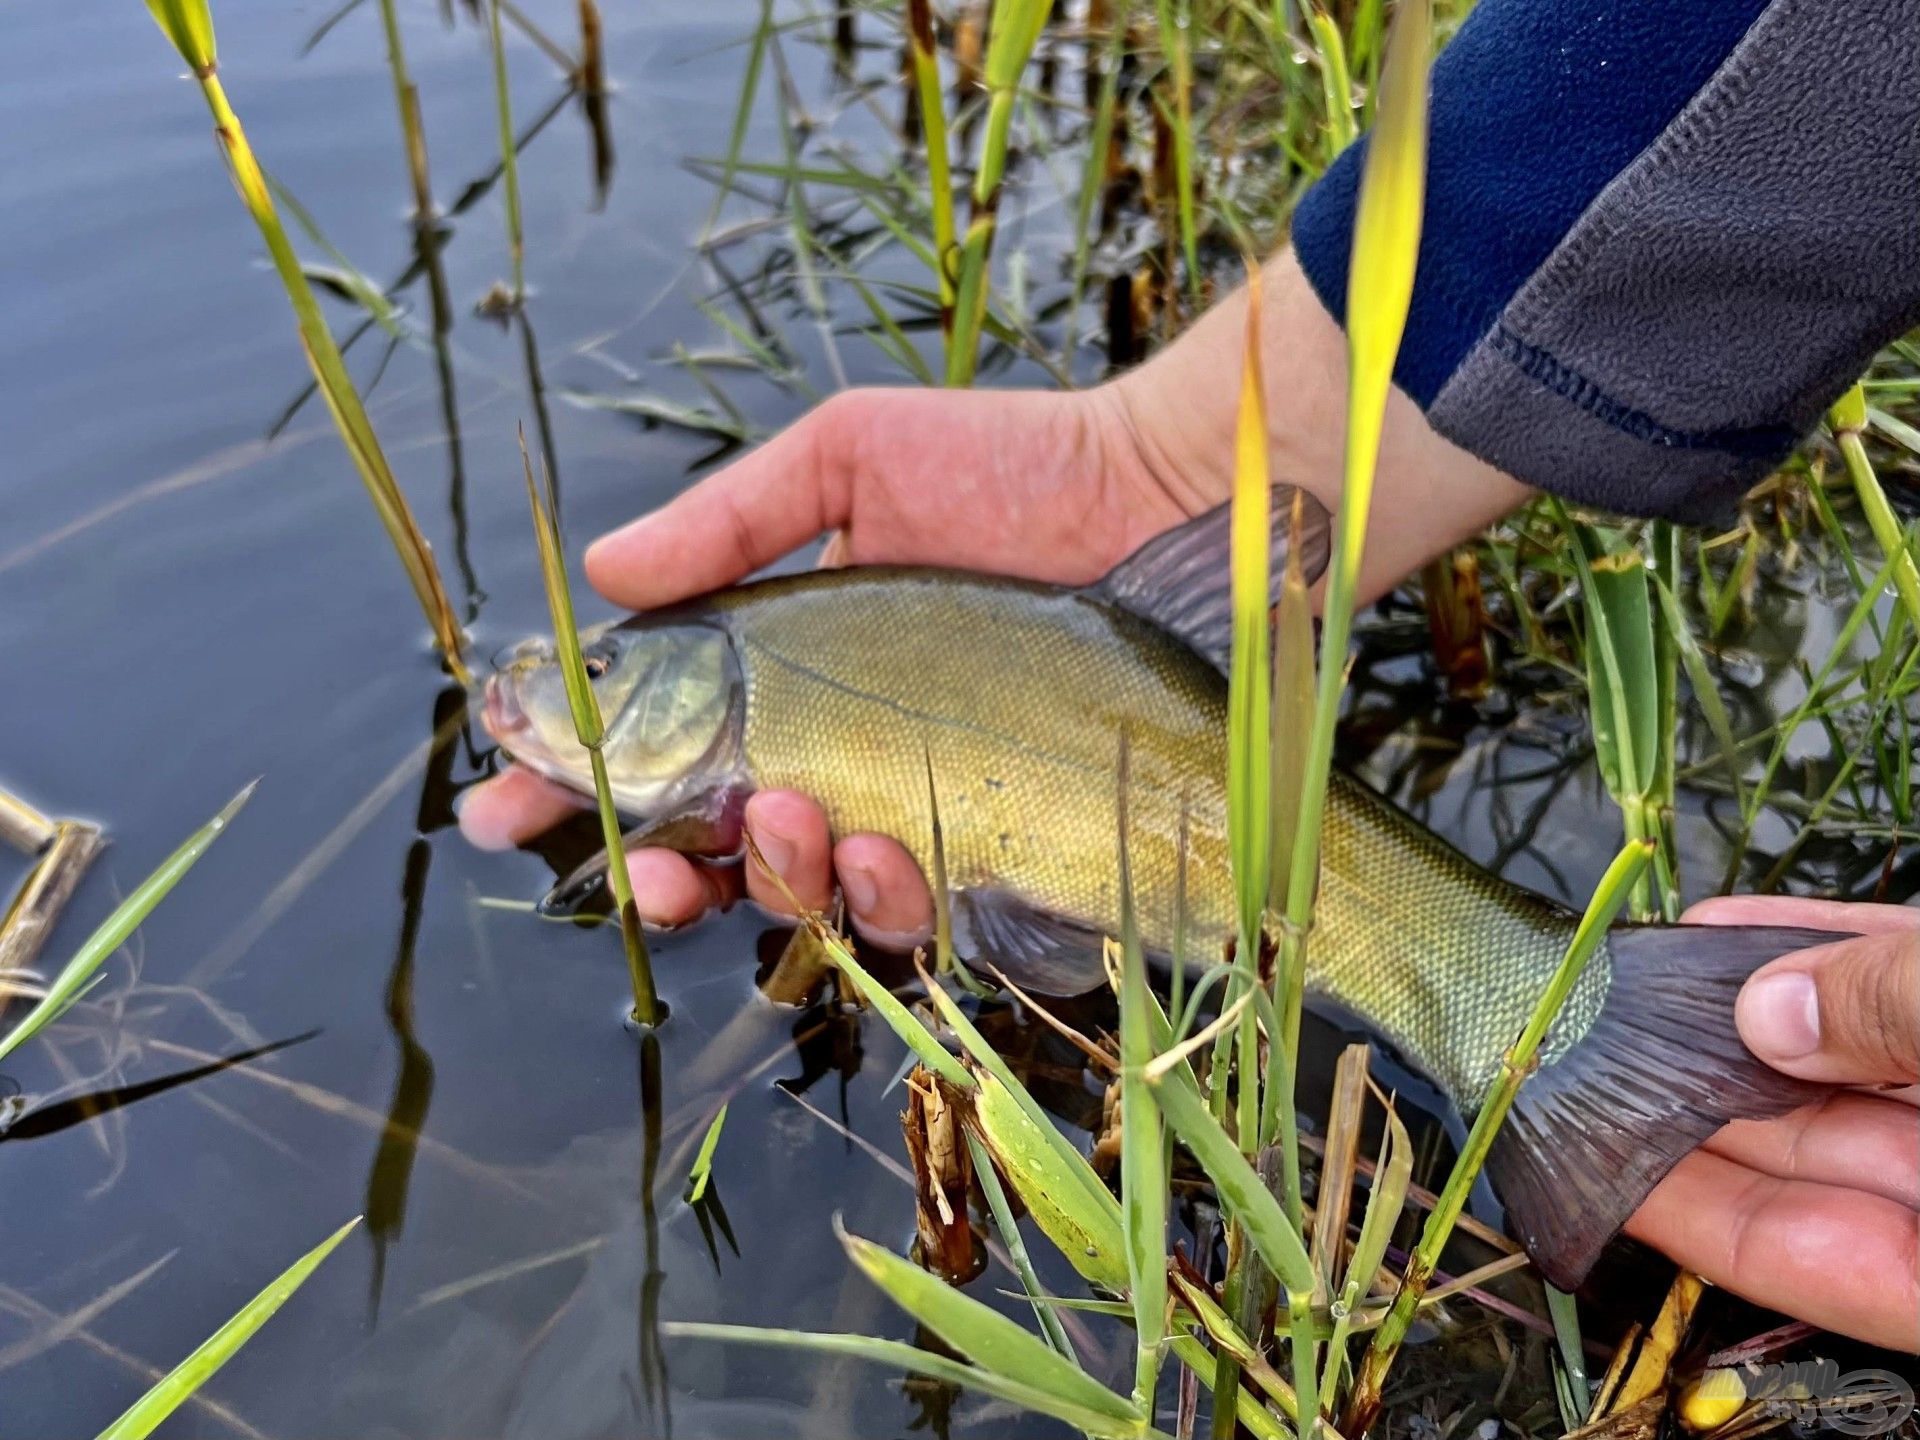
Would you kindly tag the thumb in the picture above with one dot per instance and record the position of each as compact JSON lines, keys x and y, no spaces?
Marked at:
{"x":789,"y":491}
{"x":1846,"y":1013}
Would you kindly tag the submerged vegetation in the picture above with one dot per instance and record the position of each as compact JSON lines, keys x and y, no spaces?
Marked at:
{"x":1199,"y":123}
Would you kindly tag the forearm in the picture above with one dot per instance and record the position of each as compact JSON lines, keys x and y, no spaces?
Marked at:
{"x":1183,"y":406}
{"x":1659,"y":240}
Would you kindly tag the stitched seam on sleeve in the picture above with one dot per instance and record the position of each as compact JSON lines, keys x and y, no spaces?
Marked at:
{"x":1755,"y":442}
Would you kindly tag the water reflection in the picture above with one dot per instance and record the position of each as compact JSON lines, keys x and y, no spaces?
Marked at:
{"x":392,"y":1172}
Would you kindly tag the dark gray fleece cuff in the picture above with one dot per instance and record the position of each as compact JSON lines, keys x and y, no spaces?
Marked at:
{"x":1715,"y":294}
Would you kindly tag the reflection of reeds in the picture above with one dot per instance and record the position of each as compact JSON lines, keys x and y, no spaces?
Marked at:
{"x":591,"y":80}
{"x":189,"y":25}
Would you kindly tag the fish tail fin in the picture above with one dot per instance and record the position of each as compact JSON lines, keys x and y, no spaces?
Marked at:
{"x":1660,"y":1070}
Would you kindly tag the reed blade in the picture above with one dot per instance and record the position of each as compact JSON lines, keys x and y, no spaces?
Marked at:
{"x":986,"y":1337}
{"x":897,"y":1356}
{"x":1143,"y":1158}
{"x":151,"y":1410}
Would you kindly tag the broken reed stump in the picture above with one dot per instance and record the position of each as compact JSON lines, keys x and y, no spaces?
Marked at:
{"x":65,"y":849}
{"x":942,"y":1179}
{"x":24,"y":827}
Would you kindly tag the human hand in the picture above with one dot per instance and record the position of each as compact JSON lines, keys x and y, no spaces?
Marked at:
{"x":1047,"y":486}
{"x":1817,"y":1213}
{"x":1042,"y":485}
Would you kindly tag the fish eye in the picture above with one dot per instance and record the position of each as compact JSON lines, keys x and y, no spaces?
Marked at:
{"x":597,"y":665}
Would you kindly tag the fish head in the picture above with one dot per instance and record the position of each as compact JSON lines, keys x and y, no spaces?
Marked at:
{"x":670,"y":699}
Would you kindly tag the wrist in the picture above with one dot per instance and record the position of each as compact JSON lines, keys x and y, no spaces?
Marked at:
{"x":1181,"y":409}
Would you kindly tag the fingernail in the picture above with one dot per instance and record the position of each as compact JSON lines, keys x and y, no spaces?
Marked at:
{"x":1780,"y":1015}
{"x":861,"y":889}
{"x":776,"y":849}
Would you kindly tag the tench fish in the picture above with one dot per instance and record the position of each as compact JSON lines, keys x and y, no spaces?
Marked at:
{"x":852,"y":684}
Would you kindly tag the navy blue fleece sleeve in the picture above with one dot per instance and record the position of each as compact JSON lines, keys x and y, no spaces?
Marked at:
{"x":1659,"y":238}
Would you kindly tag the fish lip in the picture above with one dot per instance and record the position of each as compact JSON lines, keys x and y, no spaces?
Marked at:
{"x":502,"y":716}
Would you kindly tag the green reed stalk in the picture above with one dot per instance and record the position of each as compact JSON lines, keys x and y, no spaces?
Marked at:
{"x":1386,"y":242}
{"x":591,"y":730}
{"x":1176,"y":43}
{"x":933,"y":128}
{"x":509,"y":157}
{"x":1249,"y":796}
{"x":1663,"y":551}
{"x":1608,"y":897}
{"x":1336,"y":86}
{"x":1846,"y":420}
{"x":1143,"y":1155}
{"x":406,"y":100}
{"x":189,"y":25}
{"x":1017,"y":25}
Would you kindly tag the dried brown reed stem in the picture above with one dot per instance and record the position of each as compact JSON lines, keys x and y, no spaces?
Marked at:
{"x":35,"y":910}
{"x":1338,"y":1165}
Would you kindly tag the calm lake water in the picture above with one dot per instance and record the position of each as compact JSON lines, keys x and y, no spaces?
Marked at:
{"x":185,"y":605}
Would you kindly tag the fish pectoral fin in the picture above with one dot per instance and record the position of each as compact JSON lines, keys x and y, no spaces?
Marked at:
{"x":709,"y":828}
{"x":1182,"y":581}
{"x":581,"y":885}
{"x":1037,"y":949}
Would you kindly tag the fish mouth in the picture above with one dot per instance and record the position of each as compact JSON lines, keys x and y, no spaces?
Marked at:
{"x":502,"y":714}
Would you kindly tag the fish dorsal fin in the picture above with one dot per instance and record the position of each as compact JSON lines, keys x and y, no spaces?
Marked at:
{"x":1183,"y":580}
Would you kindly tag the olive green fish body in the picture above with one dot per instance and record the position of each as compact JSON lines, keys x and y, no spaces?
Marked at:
{"x":886,"y":692}
{"x":1016,"y":696}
